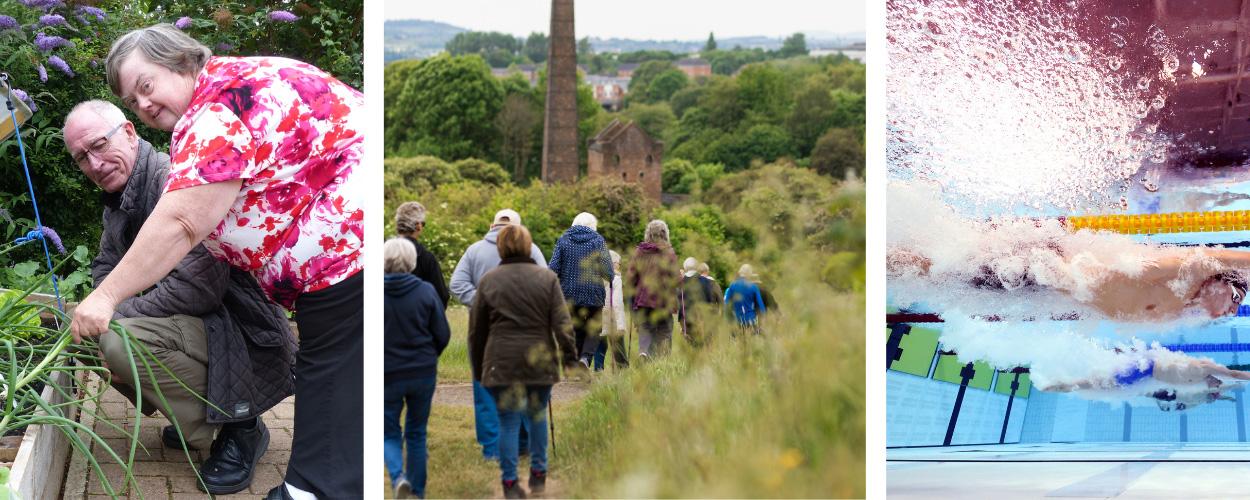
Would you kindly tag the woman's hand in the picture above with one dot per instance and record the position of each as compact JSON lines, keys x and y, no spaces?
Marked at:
{"x":92,"y":316}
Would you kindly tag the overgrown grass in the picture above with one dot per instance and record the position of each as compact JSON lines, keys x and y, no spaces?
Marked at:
{"x":780,"y":415}
{"x":453,"y":364}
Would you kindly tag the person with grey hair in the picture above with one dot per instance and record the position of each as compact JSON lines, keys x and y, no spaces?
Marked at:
{"x":582,"y":263}
{"x":410,"y":223}
{"x":207,"y":322}
{"x":652,"y":279}
{"x":416,"y":332}
{"x":265,"y":172}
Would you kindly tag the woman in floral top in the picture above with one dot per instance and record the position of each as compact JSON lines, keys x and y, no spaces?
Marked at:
{"x":264,"y":158}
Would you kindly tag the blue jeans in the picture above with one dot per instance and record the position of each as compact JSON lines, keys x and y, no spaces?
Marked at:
{"x":600,"y":353}
{"x":517,"y":405}
{"x":418,"y":394}
{"x":486,"y":421}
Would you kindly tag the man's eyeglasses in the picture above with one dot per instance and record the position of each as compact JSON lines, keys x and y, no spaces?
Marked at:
{"x":97,"y":147}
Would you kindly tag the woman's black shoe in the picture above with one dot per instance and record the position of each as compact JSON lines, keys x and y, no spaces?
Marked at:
{"x":171,"y":439}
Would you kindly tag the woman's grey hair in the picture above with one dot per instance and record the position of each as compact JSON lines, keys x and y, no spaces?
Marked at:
{"x":407,"y":216}
{"x":657,"y":232}
{"x":163,"y":45}
{"x":400,"y":256}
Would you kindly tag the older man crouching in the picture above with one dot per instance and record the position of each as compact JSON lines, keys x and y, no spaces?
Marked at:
{"x":208,"y":323}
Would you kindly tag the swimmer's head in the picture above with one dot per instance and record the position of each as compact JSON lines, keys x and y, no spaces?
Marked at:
{"x":1221,"y":295}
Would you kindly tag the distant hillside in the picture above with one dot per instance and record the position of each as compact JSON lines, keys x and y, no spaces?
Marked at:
{"x":417,"y":39}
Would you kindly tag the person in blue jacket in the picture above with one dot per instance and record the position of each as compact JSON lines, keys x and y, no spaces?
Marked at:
{"x":583,"y":264}
{"x":416,"y":332}
{"x":745,"y":300}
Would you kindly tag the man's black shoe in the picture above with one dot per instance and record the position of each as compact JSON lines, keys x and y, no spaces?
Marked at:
{"x":233,"y":457}
{"x":171,"y":439}
{"x":279,"y":493}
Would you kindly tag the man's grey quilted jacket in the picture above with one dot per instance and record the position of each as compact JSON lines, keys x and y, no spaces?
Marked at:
{"x":251,"y":350}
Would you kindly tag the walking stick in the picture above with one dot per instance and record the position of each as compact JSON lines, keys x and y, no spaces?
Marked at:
{"x":551,"y":421}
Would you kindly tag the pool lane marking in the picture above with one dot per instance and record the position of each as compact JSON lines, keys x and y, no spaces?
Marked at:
{"x":1111,"y":482}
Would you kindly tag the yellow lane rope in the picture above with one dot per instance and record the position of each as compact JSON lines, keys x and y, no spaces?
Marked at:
{"x":1175,"y":222}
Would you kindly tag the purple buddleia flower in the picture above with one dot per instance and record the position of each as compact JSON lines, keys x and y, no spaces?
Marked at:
{"x":61,"y":65}
{"x":7,"y":23}
{"x":43,"y":74}
{"x":283,"y":16}
{"x":40,"y":4}
{"x":183,"y":23}
{"x":223,"y":47}
{"x":47,"y":43}
{"x":30,"y":103}
{"x":50,"y":235}
{"x":96,"y":12}
{"x":52,"y":20}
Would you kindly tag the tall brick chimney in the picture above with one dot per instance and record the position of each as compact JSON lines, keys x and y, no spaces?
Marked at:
{"x":560,"y":119}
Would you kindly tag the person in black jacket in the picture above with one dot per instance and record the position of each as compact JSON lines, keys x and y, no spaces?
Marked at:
{"x":207,"y":322}
{"x":409,"y":223}
{"x":699,"y":303}
{"x":416,"y":332}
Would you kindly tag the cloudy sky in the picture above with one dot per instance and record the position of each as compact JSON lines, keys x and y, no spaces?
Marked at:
{"x":644,"y":19}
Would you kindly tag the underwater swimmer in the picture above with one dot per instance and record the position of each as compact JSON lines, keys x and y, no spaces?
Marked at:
{"x":1192,"y":382}
{"x":1190,"y":372}
{"x":1157,"y":293}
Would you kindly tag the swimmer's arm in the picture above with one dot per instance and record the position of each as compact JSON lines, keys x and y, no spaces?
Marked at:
{"x":1235,"y":259}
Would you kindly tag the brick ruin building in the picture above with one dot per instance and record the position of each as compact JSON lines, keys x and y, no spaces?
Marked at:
{"x":623,"y":151}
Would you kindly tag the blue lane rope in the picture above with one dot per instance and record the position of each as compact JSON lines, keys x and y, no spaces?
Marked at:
{"x":17,"y":132}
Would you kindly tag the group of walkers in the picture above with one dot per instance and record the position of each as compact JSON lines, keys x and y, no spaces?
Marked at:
{"x":529,"y":318}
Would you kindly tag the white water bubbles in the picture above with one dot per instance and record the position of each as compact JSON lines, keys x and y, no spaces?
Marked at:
{"x":1006,"y":104}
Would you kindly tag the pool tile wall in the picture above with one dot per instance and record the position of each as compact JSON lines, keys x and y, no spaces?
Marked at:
{"x":918,"y":410}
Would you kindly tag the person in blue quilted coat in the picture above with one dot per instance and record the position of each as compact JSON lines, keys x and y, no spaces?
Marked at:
{"x":582,"y":263}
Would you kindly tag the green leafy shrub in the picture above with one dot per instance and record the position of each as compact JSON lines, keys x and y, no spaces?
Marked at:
{"x":481,"y":171}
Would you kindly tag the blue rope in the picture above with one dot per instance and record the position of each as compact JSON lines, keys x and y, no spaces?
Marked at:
{"x":17,"y":132}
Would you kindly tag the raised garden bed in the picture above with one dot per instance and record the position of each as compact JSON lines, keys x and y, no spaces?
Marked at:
{"x":38,"y":468}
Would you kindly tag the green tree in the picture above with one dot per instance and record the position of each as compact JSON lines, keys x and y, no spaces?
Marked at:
{"x":794,"y":45}
{"x":665,"y":84}
{"x":762,"y":142}
{"x":584,"y":50}
{"x":447,"y":109}
{"x":517,"y":122}
{"x":812,"y":114}
{"x":642,"y":77}
{"x":536,"y":47}
{"x":653,"y":118}
{"x":764,"y":92}
{"x":711,"y":43}
{"x":479,"y":42}
{"x":686,"y":98}
{"x":839,"y":152}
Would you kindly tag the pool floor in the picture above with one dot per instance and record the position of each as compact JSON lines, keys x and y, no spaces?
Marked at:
{"x":1071,"y":470}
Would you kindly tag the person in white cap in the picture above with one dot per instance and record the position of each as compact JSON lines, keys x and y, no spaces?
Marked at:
{"x":480,"y":257}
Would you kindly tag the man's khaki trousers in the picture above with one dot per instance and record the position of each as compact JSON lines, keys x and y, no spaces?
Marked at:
{"x":179,"y":343}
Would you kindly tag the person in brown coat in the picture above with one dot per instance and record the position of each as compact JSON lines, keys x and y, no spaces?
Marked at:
{"x":652,"y":281}
{"x":519,"y":335}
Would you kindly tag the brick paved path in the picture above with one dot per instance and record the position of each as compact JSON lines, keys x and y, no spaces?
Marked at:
{"x":164,"y":474}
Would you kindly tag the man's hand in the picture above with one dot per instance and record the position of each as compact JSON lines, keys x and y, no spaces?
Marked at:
{"x":92,"y":316}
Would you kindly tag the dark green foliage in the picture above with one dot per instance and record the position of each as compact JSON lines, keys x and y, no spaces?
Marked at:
{"x":684,"y":177}
{"x":497,"y":49}
{"x":838,"y":152}
{"x":794,"y":45}
{"x":446,"y":108}
{"x":536,"y":47}
{"x":653,"y":118}
{"x":711,"y":43}
{"x":640,"y":82}
{"x":327,"y":35}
